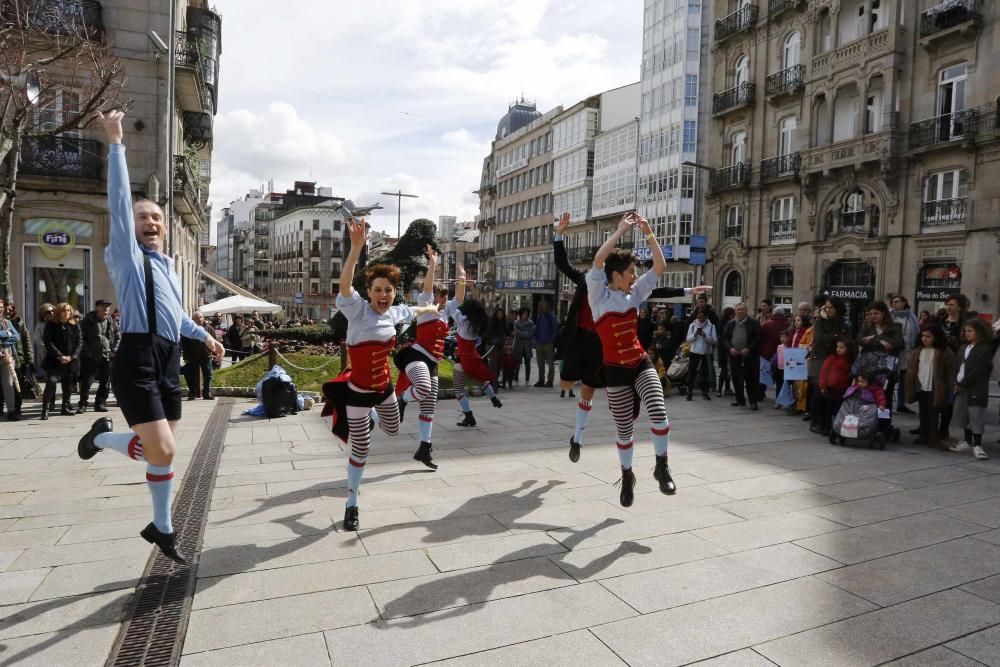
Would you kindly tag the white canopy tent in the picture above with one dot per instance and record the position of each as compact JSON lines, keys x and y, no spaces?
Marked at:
{"x":239,"y":304}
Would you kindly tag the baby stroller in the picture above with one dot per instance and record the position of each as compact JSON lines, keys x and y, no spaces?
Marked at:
{"x":677,"y":372}
{"x":860,"y":417}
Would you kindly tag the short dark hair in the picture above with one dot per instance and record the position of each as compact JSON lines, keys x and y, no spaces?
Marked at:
{"x":880,"y":307}
{"x":387,"y":271}
{"x":523,"y":311}
{"x":439,"y":290}
{"x":852,"y":349}
{"x":960,"y":299}
{"x":618,"y":260}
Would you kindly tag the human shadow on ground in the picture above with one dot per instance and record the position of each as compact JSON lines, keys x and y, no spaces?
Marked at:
{"x":442,"y":530}
{"x":446,"y":594}
{"x":245,"y":556}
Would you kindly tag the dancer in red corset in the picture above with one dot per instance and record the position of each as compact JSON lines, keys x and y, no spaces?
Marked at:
{"x":471,"y":322}
{"x":614,"y":294}
{"x":582,"y":357}
{"x":418,"y":362}
{"x":371,"y":336}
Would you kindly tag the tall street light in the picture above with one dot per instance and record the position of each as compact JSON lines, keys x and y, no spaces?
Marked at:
{"x":399,"y":194}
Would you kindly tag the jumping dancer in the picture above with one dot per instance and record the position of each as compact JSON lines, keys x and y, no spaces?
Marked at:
{"x":144,"y":373}
{"x":582,"y":358}
{"x":418,"y":363}
{"x":471,"y":321}
{"x":614,"y":294}
{"x":371,"y":336}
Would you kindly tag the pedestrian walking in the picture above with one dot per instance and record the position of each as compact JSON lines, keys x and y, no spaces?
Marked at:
{"x":146,"y":367}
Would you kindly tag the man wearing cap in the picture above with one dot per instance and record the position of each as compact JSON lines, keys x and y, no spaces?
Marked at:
{"x":98,"y":348}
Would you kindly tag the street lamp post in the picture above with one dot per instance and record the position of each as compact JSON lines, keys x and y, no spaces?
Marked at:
{"x":399,"y":194}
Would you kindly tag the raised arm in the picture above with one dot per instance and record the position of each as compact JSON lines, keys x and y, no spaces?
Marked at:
{"x":659,"y":261}
{"x":624,"y":225}
{"x":431,"y":266}
{"x":122,"y":245}
{"x":559,"y":252}
{"x":460,"y":284}
{"x":357,"y":234}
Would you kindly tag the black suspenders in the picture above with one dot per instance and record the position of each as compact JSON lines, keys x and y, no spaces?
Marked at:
{"x":150,"y":302}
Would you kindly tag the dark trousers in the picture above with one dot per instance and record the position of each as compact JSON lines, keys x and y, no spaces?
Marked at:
{"x":946,"y":415}
{"x":779,"y":380}
{"x":746,"y":371}
{"x":50,"y":389}
{"x":192,"y":371}
{"x":928,"y":417}
{"x":91,"y":370}
{"x":831,"y":408}
{"x":697,"y":371}
{"x":725,"y":383}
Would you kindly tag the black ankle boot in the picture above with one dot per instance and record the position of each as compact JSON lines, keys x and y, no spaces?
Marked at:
{"x":80,"y":409}
{"x":87,"y":448}
{"x":496,"y":402}
{"x":574,"y":450}
{"x":165,"y":541}
{"x":352,"y":519}
{"x":628,"y":487}
{"x":424,"y":455}
{"x":45,"y":411}
{"x":662,"y":475}
{"x":66,"y":410}
{"x":468,"y":421}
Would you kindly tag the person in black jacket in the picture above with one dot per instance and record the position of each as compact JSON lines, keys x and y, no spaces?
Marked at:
{"x":972,"y":386}
{"x":63,"y":344}
{"x":741,"y":343}
{"x":97,"y":330}
{"x":583,"y":360}
{"x":198,"y":362}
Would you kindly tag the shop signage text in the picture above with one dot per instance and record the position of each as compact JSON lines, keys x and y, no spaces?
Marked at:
{"x":644,"y":253}
{"x":56,"y":240}
{"x":936,"y":293}
{"x":526,"y":284}
{"x":866,"y":293}
{"x":512,"y":167}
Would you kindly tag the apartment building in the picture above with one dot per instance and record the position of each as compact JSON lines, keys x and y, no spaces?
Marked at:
{"x":858,"y":151}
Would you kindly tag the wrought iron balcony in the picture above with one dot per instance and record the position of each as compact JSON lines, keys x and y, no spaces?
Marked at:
{"x":582,"y":254}
{"x":783,"y":166}
{"x":742,"y":19}
{"x":728,"y":178}
{"x":734,"y":98}
{"x":732,"y":231}
{"x":189,"y":187}
{"x":775,"y":7}
{"x":943,"y":129}
{"x":944,"y":212}
{"x":56,"y":17}
{"x":787,"y":80}
{"x":950,"y":14}
{"x":192,"y":93}
{"x":63,"y":157}
{"x":782,"y":230}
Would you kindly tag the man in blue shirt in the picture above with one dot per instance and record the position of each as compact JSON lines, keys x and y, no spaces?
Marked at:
{"x":144,"y":374}
{"x":546,"y":331}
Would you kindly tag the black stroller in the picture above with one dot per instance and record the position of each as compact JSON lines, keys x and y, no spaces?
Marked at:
{"x":859,"y":418}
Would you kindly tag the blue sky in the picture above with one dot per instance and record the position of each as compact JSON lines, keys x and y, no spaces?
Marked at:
{"x":380,"y":95}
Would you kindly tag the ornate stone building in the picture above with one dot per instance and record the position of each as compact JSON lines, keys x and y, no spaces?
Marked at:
{"x":855,"y":150}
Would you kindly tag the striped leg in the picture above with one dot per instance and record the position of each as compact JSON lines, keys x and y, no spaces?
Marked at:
{"x":650,"y":391}
{"x":460,"y":392}
{"x":620,"y":401}
{"x":428,"y":405}
{"x":388,"y":415}
{"x":420,"y":382}
{"x":360,"y":440}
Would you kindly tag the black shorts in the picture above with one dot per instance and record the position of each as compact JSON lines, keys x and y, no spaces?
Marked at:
{"x":622,"y":376}
{"x":145,"y":378}
{"x":408,"y":355}
{"x":583,"y":361}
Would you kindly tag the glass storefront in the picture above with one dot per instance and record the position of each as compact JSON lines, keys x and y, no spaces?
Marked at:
{"x":936,"y":283}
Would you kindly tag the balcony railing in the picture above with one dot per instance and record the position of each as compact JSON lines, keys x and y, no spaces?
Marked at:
{"x":732,"y":231}
{"x":735,"y":97}
{"x":775,"y":7}
{"x":782,"y":230}
{"x":948,"y":15}
{"x":787,"y":80}
{"x":185,"y":183}
{"x":851,"y":54}
{"x":57,"y":17}
{"x":944,"y":212}
{"x":942,"y":129}
{"x":782,"y":166}
{"x":314,"y":273}
{"x":737,"y":176}
{"x":742,"y":19}
{"x":584,"y":254}
{"x":64,"y":157}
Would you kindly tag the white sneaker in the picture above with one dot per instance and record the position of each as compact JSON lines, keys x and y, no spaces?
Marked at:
{"x":962,"y":446}
{"x":980,"y":453}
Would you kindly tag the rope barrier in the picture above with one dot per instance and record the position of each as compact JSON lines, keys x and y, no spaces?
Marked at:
{"x":289,"y":363}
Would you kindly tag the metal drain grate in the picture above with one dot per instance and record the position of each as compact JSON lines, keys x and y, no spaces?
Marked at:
{"x":153,"y":633}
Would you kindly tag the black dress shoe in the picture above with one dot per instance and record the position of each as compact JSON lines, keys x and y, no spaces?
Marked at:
{"x":67,"y":411}
{"x":80,"y":409}
{"x":737,"y":404}
{"x":574,"y":450}
{"x":13,"y":417}
{"x":562,"y":394}
{"x":87,"y":448}
{"x":753,"y":407}
{"x":207,"y":396}
{"x":903,"y":410}
{"x":100,"y":408}
{"x":468,"y":421}
{"x":571,"y":394}
{"x":192,"y":397}
{"x":707,"y":397}
{"x":496,"y":402}
{"x":689,"y":397}
{"x":539,"y":384}
{"x":351,"y":519}
{"x":628,"y":487}
{"x":915,"y":431}
{"x":424,"y":455}
{"x":165,"y":541}
{"x":661,"y":473}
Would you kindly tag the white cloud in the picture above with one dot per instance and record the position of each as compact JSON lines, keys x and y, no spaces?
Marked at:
{"x":401,"y":94}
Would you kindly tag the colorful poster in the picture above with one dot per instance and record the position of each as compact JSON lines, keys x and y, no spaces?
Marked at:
{"x":796,"y":364}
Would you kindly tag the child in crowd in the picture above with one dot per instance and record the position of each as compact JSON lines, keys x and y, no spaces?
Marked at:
{"x":508,"y":363}
{"x":834,"y":379}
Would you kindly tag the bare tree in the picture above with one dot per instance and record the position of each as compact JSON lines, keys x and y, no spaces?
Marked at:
{"x":60,"y":45}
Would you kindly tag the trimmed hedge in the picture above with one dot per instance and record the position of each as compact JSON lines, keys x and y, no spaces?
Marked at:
{"x":314,"y":334}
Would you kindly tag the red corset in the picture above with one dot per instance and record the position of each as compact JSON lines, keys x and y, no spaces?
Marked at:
{"x":585,"y":317}
{"x":619,"y":339}
{"x":430,"y":336}
{"x":370,"y":364}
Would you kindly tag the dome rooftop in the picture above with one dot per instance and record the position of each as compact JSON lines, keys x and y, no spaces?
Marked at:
{"x":519,"y":114}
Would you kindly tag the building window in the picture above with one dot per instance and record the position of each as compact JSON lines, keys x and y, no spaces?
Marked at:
{"x":791,"y":51}
{"x":687,"y":182}
{"x":783,"y":220}
{"x":850,"y":274}
{"x":691,"y":90}
{"x":315,"y":225}
{"x":690,"y":135}
{"x":742,"y":74}
{"x":693,"y":42}
{"x":945,"y":196}
{"x":951,"y":100}
{"x":779,"y":277}
{"x":732,"y":286}
{"x":733,"y":223}
{"x":687,"y":223}
{"x":852,"y":218}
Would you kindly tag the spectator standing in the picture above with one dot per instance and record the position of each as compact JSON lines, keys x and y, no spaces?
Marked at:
{"x":972,"y":386}
{"x":834,"y":379}
{"x":764,"y":311}
{"x":770,"y":339}
{"x":644,"y":328}
{"x":924,"y":319}
{"x":63,"y":344}
{"x":25,"y":357}
{"x":741,"y":342}
{"x":97,"y":329}
{"x":932,"y":368}
{"x":546,"y":332}
{"x":702,"y":337}
{"x":956,"y":313}
{"x":800,"y":335}
{"x":198,"y":362}
{"x":880,"y":333}
{"x":910,"y":329}
{"x":10,"y":340}
{"x":234,"y":339}
{"x":524,"y":337}
{"x":826,"y":329}
{"x":725,"y":385}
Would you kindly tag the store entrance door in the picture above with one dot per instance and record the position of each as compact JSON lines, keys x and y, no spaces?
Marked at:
{"x":54,"y":281}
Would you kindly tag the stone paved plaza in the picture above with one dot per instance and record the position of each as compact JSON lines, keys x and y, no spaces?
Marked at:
{"x":778,"y":548}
